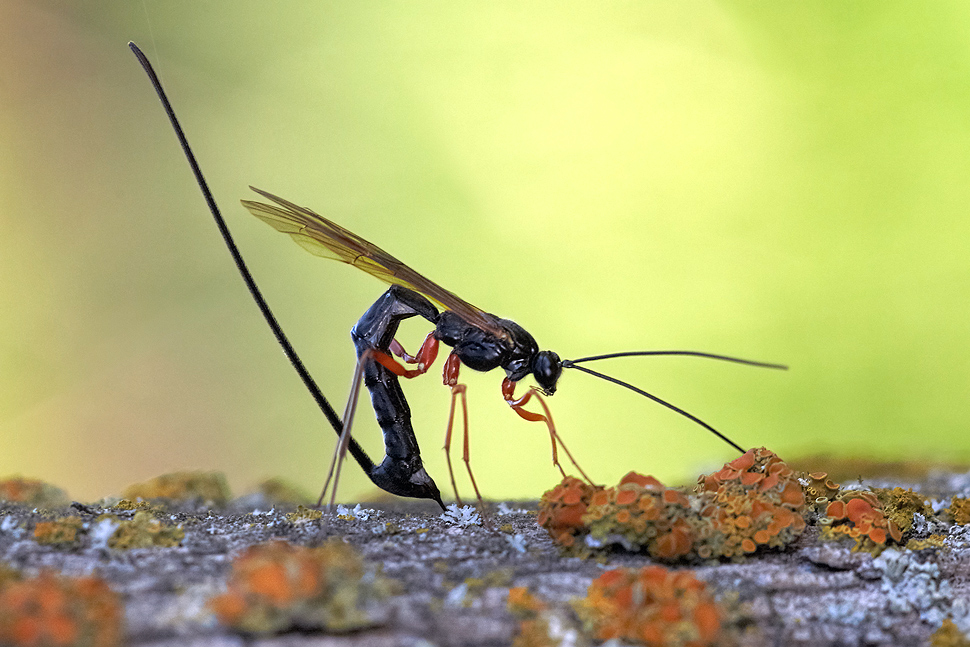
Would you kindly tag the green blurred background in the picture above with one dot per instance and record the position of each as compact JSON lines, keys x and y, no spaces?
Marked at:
{"x":779,"y":181}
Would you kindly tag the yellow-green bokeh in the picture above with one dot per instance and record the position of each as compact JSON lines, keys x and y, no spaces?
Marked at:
{"x":780,"y":181}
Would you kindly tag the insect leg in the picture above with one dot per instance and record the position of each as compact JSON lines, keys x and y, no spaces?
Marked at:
{"x":518,"y":404}
{"x":425,"y":355}
{"x":456,"y":391}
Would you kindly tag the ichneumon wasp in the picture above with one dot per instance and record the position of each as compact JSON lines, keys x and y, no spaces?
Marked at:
{"x":479,"y":340}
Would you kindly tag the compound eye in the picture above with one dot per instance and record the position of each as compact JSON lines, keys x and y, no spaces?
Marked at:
{"x":546,"y":369}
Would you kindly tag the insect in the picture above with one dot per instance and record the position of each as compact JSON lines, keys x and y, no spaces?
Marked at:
{"x":479,"y":340}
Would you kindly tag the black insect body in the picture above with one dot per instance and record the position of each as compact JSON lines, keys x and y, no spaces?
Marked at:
{"x":479,"y":340}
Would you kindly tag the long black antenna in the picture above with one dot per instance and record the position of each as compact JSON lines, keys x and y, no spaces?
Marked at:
{"x":572,"y":364}
{"x":355,"y":449}
{"x":693,"y":353}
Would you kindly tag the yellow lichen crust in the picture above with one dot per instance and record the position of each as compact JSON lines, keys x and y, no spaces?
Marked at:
{"x":50,"y":610}
{"x":304,"y":515}
{"x":278,"y":586}
{"x":128,"y":504}
{"x":59,"y":532}
{"x":32,"y":492}
{"x":144,"y":531}
{"x":948,"y":635}
{"x":651,"y":606}
{"x":959,"y":510}
{"x":900,"y":504}
{"x":207,"y":487}
{"x":859,"y":514}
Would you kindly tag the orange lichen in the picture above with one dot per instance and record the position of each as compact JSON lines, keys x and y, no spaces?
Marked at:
{"x":820,"y":489}
{"x":59,"y":611}
{"x":859,"y":515}
{"x":278,"y":586}
{"x":32,"y":492}
{"x":533,"y":630}
{"x":753,"y":501}
{"x":651,"y":606}
{"x":561,"y":509}
{"x":644,"y":514}
{"x":523,"y":604}
{"x":59,"y":532}
{"x":207,"y":487}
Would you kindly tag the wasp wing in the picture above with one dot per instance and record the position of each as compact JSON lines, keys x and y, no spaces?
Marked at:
{"x":325,"y":238}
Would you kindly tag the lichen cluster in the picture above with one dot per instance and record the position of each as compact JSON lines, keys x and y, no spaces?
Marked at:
{"x":754,"y":501}
{"x":860,"y":515}
{"x":642,"y":513}
{"x":206,"y":487}
{"x":561,"y":510}
{"x":651,"y":606}
{"x":278,"y":586}
{"x":32,"y":492}
{"x":62,"y":533}
{"x":51,"y":610}
{"x":142,"y":531}
{"x":538,"y":626}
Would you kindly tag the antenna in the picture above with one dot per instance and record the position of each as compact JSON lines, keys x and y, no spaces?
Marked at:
{"x":573,"y":363}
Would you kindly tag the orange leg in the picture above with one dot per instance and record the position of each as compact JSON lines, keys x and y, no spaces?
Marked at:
{"x":424,"y":358}
{"x":456,"y":391}
{"x":450,"y":378}
{"x":518,"y":404}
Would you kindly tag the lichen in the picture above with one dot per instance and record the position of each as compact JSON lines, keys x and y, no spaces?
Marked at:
{"x":959,"y":510}
{"x":912,"y":586}
{"x":144,"y":531}
{"x":62,"y":533}
{"x":277,"y":586}
{"x":899,"y":505}
{"x":304,"y":515}
{"x":755,"y":501}
{"x":859,"y":515}
{"x":32,"y":492}
{"x":948,"y":635}
{"x":651,"y":606}
{"x":819,"y":488}
{"x":642,"y":514}
{"x":561,"y":510}
{"x":50,"y":610}
{"x":539,"y":624}
{"x":210,"y":488}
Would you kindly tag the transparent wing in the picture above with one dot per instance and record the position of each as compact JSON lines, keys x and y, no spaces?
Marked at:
{"x":321,"y":237}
